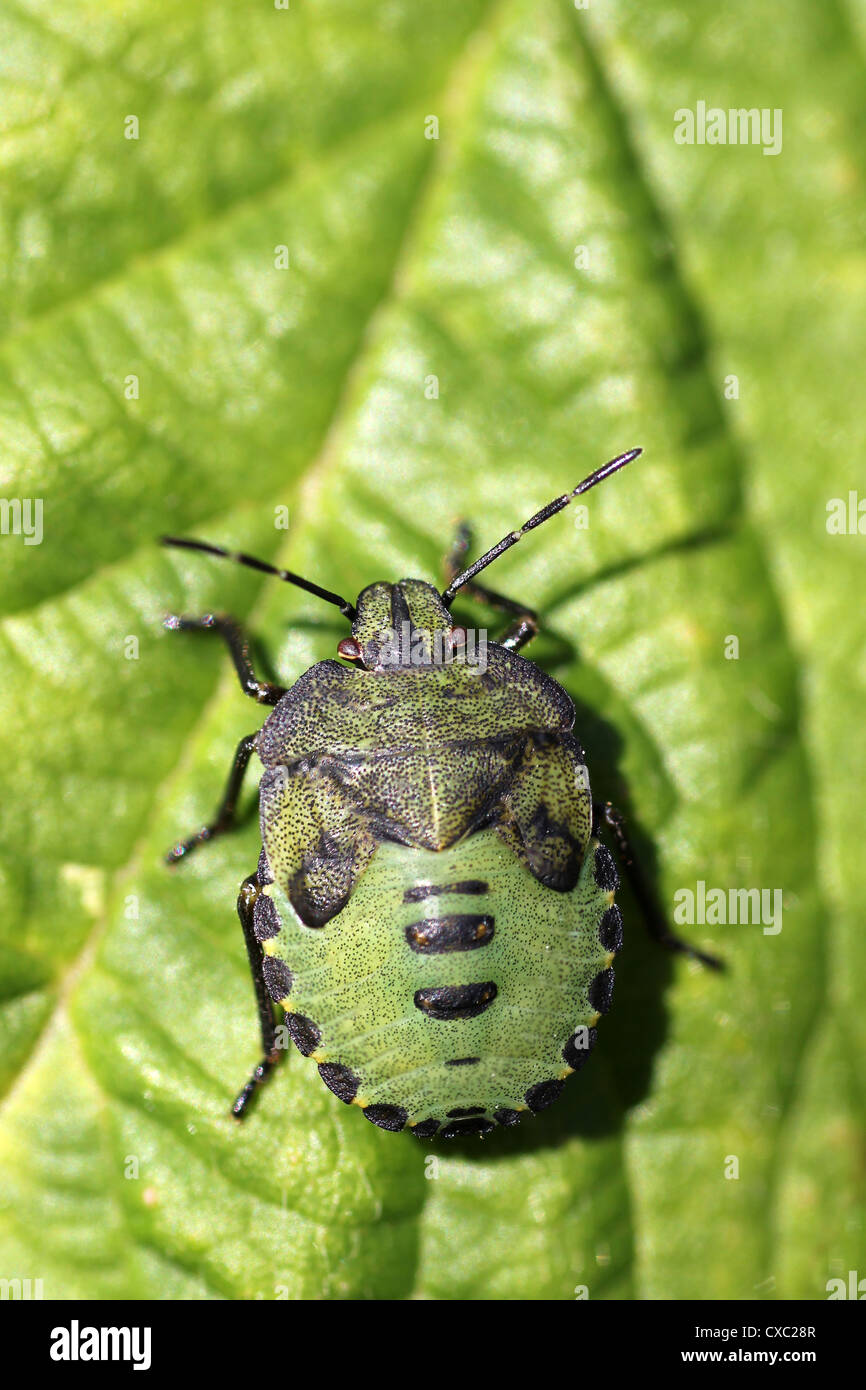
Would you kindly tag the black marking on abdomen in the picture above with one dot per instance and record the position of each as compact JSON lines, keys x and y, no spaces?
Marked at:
{"x":426,"y":1128}
{"x":579,"y":1046}
{"x":340,"y":1079}
{"x":266,"y":921}
{"x":263,"y":873}
{"x":610,"y":930}
{"x":446,"y":1002}
{"x":544,"y":1094}
{"x":278,"y":978}
{"x":462,"y":1061}
{"x":459,"y":1114}
{"x":604,"y":870}
{"x":506,"y":1117}
{"x":457,"y":931}
{"x":472,"y":886}
{"x":601,"y":990}
{"x":455,"y":1128}
{"x":391,"y":1117}
{"x":304,"y":1033}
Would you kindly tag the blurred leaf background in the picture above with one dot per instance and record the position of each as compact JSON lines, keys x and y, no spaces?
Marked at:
{"x":160,"y":372}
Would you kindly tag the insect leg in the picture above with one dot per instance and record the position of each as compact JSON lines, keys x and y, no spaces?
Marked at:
{"x":655,"y":922}
{"x":525,"y":625}
{"x":226,"y":811}
{"x":458,"y":552}
{"x":235,"y":639}
{"x":250,"y":889}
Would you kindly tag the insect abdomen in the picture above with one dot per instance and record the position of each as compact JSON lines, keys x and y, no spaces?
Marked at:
{"x":453,"y":991}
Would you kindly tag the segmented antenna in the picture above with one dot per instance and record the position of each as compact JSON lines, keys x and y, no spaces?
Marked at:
{"x":546,"y":512}
{"x":347,"y":609}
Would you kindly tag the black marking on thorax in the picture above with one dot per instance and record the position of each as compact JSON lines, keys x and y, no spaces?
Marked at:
{"x":402,"y":626}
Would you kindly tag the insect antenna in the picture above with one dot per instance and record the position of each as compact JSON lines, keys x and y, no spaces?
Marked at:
{"x":347,"y":609}
{"x":546,"y":512}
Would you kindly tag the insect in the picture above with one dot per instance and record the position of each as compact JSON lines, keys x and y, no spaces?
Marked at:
{"x":433,"y":907}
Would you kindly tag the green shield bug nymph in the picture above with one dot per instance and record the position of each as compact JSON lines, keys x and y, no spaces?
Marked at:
{"x":433,"y":908}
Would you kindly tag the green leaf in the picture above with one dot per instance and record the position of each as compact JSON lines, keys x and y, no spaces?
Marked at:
{"x":160,"y":372}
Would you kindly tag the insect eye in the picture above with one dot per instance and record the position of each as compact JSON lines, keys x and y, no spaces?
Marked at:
{"x":457,"y":637}
{"x":350,"y":649}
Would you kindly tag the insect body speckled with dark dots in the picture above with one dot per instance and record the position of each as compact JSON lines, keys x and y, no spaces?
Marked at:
{"x":433,"y":909}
